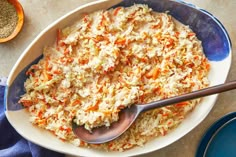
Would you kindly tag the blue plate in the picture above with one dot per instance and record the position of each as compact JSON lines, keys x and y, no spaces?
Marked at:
{"x":220,"y":138}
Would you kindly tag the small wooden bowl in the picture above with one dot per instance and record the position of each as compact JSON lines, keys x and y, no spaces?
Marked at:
{"x":20,"y":14}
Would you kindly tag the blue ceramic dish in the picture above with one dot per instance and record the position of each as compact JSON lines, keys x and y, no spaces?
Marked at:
{"x":220,"y":138}
{"x":217,"y":48}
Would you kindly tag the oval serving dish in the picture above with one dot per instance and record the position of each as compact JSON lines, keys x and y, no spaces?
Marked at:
{"x":217,"y":48}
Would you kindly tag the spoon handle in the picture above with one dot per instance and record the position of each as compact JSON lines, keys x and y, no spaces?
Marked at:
{"x":193,"y":95}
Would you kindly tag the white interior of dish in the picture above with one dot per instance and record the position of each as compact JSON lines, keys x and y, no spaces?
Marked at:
{"x":218,"y":75}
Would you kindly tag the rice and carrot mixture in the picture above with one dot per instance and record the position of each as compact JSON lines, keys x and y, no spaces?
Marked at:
{"x":109,"y":60}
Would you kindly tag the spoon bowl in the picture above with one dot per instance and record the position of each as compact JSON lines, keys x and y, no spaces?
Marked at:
{"x":129,"y":115}
{"x":106,"y":134}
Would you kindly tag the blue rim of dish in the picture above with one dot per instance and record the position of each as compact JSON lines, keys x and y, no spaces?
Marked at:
{"x":212,"y":132}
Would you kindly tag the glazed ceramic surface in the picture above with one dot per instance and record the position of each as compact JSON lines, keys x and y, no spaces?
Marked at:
{"x":222,"y":131}
{"x":209,"y":30}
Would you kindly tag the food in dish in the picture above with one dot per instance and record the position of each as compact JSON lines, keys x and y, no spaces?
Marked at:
{"x":111,"y":59}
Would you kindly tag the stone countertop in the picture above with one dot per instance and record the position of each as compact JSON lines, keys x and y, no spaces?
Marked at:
{"x":39,"y":14}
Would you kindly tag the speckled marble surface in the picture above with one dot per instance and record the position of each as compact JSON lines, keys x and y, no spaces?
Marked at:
{"x":39,"y":14}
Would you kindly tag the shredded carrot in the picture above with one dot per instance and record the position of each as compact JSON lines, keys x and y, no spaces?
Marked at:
{"x":76,"y":102}
{"x":26,"y":103}
{"x":177,"y":34}
{"x":103,"y":20}
{"x":153,"y":73}
{"x":169,"y":123}
{"x":149,"y":74}
{"x":29,"y":72}
{"x":191,"y":34}
{"x":70,"y":60}
{"x":116,"y":11}
{"x":110,"y":144}
{"x":47,"y":66}
{"x":144,"y":59}
{"x":156,"y":72}
{"x":208,"y":66}
{"x":157,"y":89}
{"x":40,"y":114}
{"x":94,"y":107}
{"x":120,"y":107}
{"x":165,"y":114}
{"x":170,"y":42}
{"x":83,"y":61}
{"x":120,"y":41}
{"x":47,"y":76}
{"x":58,"y":71}
{"x":156,"y":26}
{"x":85,"y":18}
{"x":66,"y":52}
{"x":182,"y":104}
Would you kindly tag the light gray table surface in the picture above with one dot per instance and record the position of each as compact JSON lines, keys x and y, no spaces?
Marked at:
{"x":39,"y":14}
